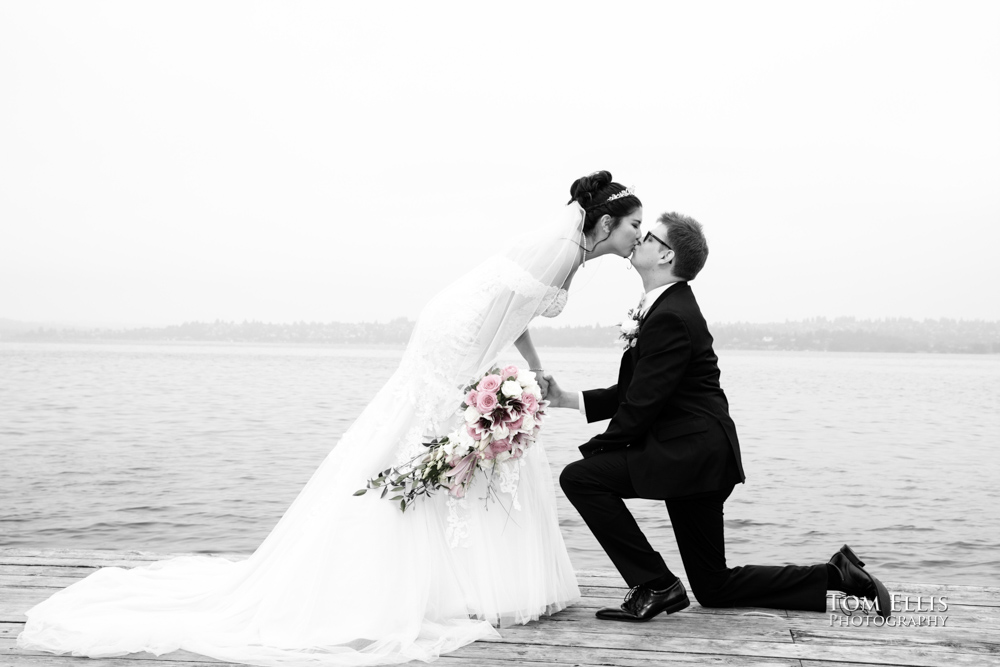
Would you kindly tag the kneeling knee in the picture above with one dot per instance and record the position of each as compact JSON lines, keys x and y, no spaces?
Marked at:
{"x":710,"y":594}
{"x":569,"y":478}
{"x":710,"y":600}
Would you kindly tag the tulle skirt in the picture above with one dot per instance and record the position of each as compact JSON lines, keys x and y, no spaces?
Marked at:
{"x":341,"y":579}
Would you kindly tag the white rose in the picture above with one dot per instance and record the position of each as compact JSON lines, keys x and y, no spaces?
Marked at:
{"x":528,"y":423}
{"x":471,"y":414}
{"x":525,"y":377}
{"x":500,"y":432}
{"x":535,"y":391}
{"x":465,"y":439}
{"x":629,"y":327}
{"x":511,"y":388}
{"x":502,"y":456}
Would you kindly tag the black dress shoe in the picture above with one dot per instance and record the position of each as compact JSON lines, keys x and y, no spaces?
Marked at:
{"x":643,"y":603}
{"x":855,"y":581}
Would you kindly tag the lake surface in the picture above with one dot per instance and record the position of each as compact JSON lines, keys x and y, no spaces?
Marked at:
{"x":172,"y":448}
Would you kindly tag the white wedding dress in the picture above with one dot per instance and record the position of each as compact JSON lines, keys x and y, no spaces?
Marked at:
{"x":352,"y":580}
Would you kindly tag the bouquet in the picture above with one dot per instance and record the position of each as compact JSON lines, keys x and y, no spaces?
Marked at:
{"x":502,"y":414}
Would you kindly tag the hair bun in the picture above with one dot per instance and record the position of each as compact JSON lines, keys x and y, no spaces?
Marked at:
{"x":584,"y":189}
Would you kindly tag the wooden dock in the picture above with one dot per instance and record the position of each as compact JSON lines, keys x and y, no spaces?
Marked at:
{"x":969,"y":634}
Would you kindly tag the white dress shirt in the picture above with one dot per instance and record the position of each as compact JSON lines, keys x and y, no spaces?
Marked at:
{"x":648,"y":299}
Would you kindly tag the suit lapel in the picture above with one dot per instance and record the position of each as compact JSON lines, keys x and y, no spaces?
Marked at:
{"x":674,"y":288}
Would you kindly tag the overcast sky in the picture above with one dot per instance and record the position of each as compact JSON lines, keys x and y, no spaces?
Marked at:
{"x":171,"y":161}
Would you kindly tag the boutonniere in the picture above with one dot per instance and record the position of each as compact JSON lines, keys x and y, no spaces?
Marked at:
{"x":630,"y":329}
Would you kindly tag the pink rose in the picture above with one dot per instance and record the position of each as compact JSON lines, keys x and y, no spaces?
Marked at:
{"x":530,"y":402}
{"x":498,"y":446}
{"x":471,"y":398}
{"x":474,"y":431}
{"x":486,"y":401}
{"x":489,"y":384}
{"x":510,"y":372}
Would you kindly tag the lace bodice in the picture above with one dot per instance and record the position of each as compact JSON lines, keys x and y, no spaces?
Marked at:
{"x":559,"y":300}
{"x":462,"y":328}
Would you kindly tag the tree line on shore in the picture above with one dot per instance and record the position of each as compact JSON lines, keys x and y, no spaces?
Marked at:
{"x":843,"y":334}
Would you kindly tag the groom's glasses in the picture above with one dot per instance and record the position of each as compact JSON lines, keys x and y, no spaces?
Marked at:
{"x":650,"y":235}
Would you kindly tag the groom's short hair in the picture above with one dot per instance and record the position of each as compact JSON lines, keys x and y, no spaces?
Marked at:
{"x":687,"y":238}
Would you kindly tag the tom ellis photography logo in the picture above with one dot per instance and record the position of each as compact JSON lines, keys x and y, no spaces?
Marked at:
{"x":906,"y":611}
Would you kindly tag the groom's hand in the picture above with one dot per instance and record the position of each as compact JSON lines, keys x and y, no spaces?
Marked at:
{"x":557,"y":397}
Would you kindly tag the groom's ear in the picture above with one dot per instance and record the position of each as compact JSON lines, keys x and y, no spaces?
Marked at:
{"x":667,"y":257}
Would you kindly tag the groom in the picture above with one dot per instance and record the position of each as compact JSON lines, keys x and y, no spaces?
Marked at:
{"x":671,"y":438}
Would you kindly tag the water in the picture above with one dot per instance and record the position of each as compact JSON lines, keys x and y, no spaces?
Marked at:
{"x":170,"y":448}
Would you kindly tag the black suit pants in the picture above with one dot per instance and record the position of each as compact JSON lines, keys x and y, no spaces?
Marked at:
{"x":597,"y":485}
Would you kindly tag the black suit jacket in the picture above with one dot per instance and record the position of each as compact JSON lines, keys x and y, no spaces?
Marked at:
{"x":668,"y":410}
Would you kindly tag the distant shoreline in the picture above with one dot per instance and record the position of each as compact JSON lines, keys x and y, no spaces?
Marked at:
{"x":845,"y":334}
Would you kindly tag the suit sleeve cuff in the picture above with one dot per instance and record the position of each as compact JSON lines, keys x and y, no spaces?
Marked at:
{"x":583,"y":404}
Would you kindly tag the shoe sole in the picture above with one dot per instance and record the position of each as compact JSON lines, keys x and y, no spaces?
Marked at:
{"x":884,"y":609}
{"x":851,"y":556}
{"x":683,"y":604}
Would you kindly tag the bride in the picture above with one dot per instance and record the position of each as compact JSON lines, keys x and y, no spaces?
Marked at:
{"x":351,"y":580}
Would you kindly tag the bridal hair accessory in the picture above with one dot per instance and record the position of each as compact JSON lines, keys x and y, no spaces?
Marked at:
{"x":627,"y":192}
{"x":503,"y":412}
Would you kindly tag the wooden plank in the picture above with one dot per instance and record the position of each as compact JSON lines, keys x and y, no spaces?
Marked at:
{"x":43,"y":660}
{"x":37,"y":581}
{"x":15,"y":601}
{"x":481,"y":654}
{"x":738,"y":637}
{"x":46,"y":570}
{"x":678,"y":625}
{"x":182,"y":658}
{"x":127,"y":560}
{"x":981,"y":643}
{"x":976,"y":595}
{"x":658,"y":651}
{"x":590,"y":601}
{"x":593,"y":603}
{"x":104,"y":554}
{"x":543,"y":644}
{"x":815,"y":629}
{"x":516,"y":654}
{"x":10,"y":556}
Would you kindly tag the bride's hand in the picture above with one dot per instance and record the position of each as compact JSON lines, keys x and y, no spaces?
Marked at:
{"x":543,"y":383}
{"x":552,"y":392}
